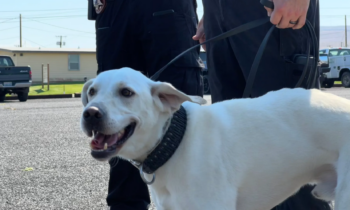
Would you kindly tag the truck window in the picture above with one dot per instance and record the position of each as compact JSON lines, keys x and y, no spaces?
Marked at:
{"x":345,"y":52}
{"x":322,"y":52}
{"x":339,"y":52}
{"x":4,"y":62}
{"x":333,"y":52}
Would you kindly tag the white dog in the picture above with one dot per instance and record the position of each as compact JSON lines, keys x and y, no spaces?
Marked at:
{"x":244,"y":154}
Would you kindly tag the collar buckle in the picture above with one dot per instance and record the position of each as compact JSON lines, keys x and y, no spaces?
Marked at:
{"x":139,"y":166}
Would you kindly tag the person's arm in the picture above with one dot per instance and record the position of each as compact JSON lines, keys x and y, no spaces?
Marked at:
{"x":289,"y":13}
{"x":200,"y":35}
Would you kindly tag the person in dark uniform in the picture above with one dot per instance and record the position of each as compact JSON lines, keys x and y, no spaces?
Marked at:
{"x":145,"y":36}
{"x":236,"y":53}
{"x":229,"y":60}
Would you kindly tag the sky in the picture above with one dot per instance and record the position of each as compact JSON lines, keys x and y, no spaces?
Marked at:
{"x":44,"y":20}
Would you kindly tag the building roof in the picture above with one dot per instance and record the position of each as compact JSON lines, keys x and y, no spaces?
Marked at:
{"x":52,"y":50}
{"x":48,"y":50}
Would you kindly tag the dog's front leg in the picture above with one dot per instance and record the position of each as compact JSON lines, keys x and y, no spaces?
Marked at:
{"x":342,"y":191}
{"x":232,"y":201}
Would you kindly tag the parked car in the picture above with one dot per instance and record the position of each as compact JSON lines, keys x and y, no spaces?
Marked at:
{"x":338,"y":60}
{"x":14,"y":79}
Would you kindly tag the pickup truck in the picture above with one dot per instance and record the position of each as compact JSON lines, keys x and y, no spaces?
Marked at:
{"x":338,"y":60}
{"x":14,"y":79}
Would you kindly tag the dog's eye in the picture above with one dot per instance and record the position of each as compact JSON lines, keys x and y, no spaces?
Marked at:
{"x":92,"y":92}
{"x":126,"y":92}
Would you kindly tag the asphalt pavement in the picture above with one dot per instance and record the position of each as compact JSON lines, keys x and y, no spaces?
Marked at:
{"x":45,"y":160}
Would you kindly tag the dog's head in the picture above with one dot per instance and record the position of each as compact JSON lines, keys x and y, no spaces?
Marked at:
{"x":125,"y":112}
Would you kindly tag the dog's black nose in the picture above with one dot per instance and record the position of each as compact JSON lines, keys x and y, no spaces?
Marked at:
{"x":92,"y":113}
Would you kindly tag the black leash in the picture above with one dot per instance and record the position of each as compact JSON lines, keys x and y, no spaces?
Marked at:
{"x":229,"y":33}
{"x":309,"y":75}
{"x":255,"y":65}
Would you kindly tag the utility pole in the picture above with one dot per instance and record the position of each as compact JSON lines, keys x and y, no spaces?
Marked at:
{"x":20,"y":30}
{"x":346,"y":34}
{"x":60,"y":43}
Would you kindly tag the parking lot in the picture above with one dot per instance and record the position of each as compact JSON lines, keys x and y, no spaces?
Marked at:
{"x":45,"y":159}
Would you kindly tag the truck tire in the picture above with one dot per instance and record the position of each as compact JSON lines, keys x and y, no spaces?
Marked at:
{"x":345,"y":79}
{"x":328,"y":83}
{"x":2,"y":97}
{"x":206,"y":88}
{"x":22,"y":96}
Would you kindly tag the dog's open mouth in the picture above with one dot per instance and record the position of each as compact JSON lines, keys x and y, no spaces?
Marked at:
{"x":103,"y":146}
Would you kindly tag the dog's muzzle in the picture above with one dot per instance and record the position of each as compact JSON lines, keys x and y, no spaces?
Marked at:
{"x":104,"y":145}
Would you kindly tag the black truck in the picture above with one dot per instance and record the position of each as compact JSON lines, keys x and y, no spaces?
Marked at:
{"x":14,"y":79}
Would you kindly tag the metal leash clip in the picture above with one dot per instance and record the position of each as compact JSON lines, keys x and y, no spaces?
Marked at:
{"x":139,"y":166}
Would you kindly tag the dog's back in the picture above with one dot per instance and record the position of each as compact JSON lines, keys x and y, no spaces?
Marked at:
{"x":276,"y":144}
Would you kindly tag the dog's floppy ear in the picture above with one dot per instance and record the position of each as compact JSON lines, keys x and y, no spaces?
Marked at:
{"x":169,"y":99}
{"x":84,"y":97}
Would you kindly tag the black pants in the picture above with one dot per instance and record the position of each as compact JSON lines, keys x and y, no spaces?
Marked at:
{"x":229,"y":62}
{"x":146,"y":35}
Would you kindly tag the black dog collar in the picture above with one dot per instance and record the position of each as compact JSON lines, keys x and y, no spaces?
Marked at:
{"x":167,"y":146}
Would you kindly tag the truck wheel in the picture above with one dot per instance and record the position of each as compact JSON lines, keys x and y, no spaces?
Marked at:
{"x":206,"y":87}
{"x":22,"y":96}
{"x":345,"y":79}
{"x":328,"y":83}
{"x":2,"y":97}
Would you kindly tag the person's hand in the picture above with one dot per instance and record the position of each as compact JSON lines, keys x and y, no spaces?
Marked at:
{"x":200,"y":35}
{"x":288,"y":13}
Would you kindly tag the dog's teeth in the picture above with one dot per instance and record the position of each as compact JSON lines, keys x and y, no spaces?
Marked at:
{"x":106,"y":146}
{"x":121,"y":133}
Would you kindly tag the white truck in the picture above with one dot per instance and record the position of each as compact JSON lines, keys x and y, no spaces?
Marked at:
{"x":338,"y":60}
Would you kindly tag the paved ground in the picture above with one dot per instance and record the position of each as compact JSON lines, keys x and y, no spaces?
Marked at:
{"x":44,"y":157}
{"x":44,"y":135}
{"x":340,"y":91}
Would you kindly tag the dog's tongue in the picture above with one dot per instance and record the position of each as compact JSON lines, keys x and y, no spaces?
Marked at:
{"x":100,"y":140}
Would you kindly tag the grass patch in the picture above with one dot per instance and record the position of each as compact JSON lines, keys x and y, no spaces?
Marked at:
{"x":68,"y":88}
{"x":55,"y":89}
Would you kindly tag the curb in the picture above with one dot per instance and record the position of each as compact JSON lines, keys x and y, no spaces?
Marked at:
{"x":75,"y":95}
